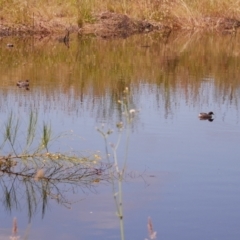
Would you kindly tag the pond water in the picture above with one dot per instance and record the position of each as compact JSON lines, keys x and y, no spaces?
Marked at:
{"x":181,"y":171}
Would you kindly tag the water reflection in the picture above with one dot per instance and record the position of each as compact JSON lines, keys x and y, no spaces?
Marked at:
{"x":171,"y":82}
{"x":65,"y":39}
{"x":53,"y":180}
{"x":94,"y":69}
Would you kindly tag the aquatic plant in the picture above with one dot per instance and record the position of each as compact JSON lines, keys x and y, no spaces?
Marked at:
{"x":32,"y":172}
{"x":118,"y":172}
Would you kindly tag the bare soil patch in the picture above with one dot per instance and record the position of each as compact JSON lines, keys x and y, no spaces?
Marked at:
{"x":109,"y":25}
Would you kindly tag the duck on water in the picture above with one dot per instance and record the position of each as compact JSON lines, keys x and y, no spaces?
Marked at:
{"x":23,"y":83}
{"x":206,"y":116}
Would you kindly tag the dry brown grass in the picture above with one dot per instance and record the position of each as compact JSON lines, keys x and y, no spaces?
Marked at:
{"x":190,"y":14}
{"x":57,"y":15}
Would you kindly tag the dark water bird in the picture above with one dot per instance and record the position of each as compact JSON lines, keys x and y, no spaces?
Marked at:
{"x":65,"y":39}
{"x":206,"y":116}
{"x":23,"y":84}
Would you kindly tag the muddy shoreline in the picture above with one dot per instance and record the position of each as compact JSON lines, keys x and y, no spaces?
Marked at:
{"x":113,"y":25}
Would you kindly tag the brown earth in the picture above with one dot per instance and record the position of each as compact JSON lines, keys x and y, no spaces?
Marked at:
{"x":109,"y":25}
{"x":112,"y":25}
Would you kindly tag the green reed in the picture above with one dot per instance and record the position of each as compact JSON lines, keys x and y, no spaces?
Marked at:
{"x":117,"y":174}
{"x":28,"y":166}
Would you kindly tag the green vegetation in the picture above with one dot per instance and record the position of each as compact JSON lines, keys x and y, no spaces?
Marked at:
{"x":28,"y":166}
{"x":118,"y":172}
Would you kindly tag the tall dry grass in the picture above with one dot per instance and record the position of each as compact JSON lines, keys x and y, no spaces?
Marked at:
{"x":77,"y":12}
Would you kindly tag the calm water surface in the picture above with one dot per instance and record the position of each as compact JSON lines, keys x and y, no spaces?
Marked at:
{"x":184,"y":173}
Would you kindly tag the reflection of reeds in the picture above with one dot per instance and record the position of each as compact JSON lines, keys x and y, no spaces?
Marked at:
{"x":94,"y":71}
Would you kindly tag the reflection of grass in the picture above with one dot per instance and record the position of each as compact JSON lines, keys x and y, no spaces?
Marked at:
{"x":99,"y":66}
{"x":42,"y":175}
{"x":96,"y":69}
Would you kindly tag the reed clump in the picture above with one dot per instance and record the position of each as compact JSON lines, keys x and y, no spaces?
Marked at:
{"x":28,"y":165}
